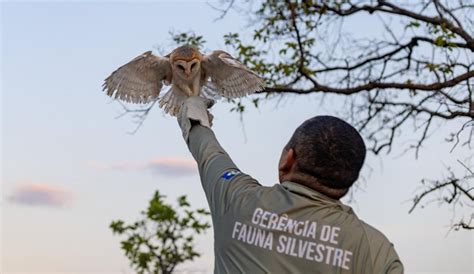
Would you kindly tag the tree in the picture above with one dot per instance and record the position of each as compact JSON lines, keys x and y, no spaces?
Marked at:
{"x":164,"y":238}
{"x":412,"y":73}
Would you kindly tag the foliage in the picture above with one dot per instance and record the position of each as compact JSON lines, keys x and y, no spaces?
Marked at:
{"x":164,"y":237}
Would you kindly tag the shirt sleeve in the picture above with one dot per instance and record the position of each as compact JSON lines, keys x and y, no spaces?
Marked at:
{"x":396,"y":267}
{"x":221,"y":180}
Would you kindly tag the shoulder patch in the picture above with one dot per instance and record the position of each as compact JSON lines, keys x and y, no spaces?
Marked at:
{"x":230,"y":174}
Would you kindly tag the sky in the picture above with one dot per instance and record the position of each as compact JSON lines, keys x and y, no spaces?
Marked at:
{"x":69,"y":167}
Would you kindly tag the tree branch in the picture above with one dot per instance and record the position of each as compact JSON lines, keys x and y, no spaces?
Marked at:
{"x":373,"y":85}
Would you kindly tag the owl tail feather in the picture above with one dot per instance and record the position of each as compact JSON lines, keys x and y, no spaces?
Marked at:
{"x":171,"y":102}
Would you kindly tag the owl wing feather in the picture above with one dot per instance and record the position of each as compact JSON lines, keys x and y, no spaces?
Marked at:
{"x":228,"y":77}
{"x":140,"y":80}
{"x":172,"y":100}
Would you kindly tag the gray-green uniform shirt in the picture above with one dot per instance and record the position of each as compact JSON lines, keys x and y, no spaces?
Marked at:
{"x":287,"y":228}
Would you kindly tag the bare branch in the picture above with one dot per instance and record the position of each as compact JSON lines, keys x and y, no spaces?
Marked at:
{"x":374,"y":85}
{"x":139,"y":115}
{"x":223,"y":11}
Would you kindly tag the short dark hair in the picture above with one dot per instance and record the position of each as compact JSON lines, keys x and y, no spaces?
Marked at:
{"x":328,"y":149}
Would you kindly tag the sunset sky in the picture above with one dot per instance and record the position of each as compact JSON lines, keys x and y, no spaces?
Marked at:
{"x":68,"y":166}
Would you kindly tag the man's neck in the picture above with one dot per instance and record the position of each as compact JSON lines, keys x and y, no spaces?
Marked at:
{"x":313,"y":183}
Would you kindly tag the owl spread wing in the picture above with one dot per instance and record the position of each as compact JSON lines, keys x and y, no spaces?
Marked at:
{"x":229,"y":77}
{"x":140,"y":80}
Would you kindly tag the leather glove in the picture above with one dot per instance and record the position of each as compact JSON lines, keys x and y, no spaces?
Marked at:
{"x":194,"y":111}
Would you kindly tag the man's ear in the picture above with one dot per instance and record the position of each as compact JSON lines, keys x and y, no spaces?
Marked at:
{"x":287,"y":162}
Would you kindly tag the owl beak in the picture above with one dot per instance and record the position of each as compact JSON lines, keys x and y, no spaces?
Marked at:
{"x":188,"y":69}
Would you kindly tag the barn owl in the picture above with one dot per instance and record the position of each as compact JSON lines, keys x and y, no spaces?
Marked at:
{"x":187,"y":71}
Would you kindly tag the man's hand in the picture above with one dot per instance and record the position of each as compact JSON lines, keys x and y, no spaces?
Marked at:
{"x":194,"y":110}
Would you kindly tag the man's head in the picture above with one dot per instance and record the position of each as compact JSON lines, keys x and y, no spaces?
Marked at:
{"x":326,"y":154}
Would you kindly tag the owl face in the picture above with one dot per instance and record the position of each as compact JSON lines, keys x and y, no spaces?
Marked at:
{"x":187,"y":69}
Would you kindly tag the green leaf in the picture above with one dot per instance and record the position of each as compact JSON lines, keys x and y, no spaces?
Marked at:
{"x":188,"y":38}
{"x":413,"y":24}
{"x":183,"y":201}
{"x":144,"y":259}
{"x":440,"y":41}
{"x":127,"y":246}
{"x":255,"y":102}
{"x":117,"y":226}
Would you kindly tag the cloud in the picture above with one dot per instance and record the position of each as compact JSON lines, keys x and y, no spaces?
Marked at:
{"x":39,"y":194}
{"x":175,"y":166}
{"x":170,"y":166}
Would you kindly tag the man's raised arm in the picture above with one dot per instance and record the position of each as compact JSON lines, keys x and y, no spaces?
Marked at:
{"x":220,"y":177}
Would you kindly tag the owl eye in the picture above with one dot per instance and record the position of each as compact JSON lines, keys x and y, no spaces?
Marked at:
{"x":193,"y":65}
{"x":181,"y":67}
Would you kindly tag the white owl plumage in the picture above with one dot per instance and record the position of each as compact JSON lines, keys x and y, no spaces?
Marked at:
{"x":189,"y":73}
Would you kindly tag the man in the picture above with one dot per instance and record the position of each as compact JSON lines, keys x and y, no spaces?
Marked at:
{"x":299,"y":225}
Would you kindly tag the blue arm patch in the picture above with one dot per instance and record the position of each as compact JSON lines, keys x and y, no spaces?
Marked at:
{"x":230,"y":174}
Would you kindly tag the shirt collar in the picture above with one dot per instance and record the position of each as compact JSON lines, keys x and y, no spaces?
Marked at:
{"x":316,"y":196}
